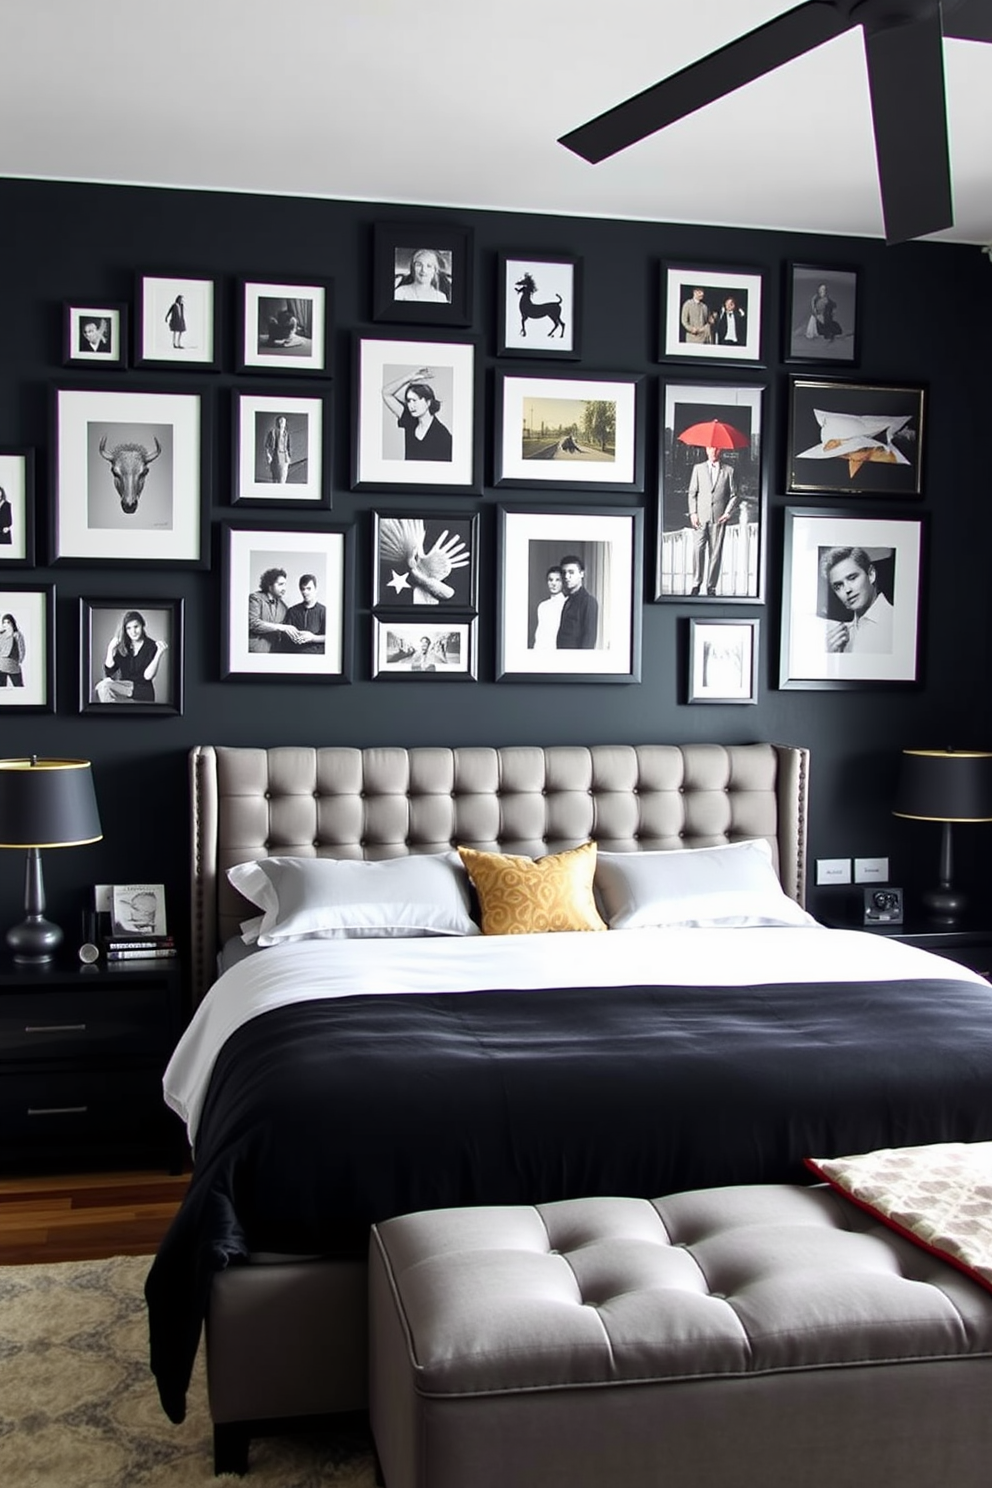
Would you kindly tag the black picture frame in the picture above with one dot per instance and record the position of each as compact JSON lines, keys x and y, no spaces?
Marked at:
{"x":723,"y":659}
{"x":102,"y":622}
{"x":539,"y":306}
{"x":425,"y":563}
{"x":821,"y":319}
{"x":569,"y":430}
{"x":388,"y":457}
{"x":872,"y":638}
{"x":400,"y":655}
{"x":430,"y":259}
{"x":685,"y":487}
{"x":703,"y":335}
{"x":152,"y":511}
{"x":291,"y":469}
{"x":248,"y":553}
{"x":284,"y":325}
{"x":605,"y":545}
{"x":17,"y":507}
{"x":855,"y":439}
{"x":106,"y":349}
{"x":33,"y":609}
{"x":177,"y":321}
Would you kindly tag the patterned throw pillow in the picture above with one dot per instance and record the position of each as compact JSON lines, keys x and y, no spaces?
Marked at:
{"x":527,"y":896}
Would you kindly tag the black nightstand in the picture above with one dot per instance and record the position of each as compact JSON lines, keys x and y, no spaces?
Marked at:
{"x":970,"y":945}
{"x":82,"y":1051}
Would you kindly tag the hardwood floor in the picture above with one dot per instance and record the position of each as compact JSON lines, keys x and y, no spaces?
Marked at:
{"x":85,"y":1216}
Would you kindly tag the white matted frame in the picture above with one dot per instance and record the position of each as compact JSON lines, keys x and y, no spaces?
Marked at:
{"x":407,"y":388}
{"x":251,"y":647}
{"x":539,"y":311}
{"x":284,"y":325}
{"x":29,"y":648}
{"x":16,"y":508}
{"x":570,"y":430}
{"x":435,"y":650}
{"x":599,"y":639}
{"x":723,"y":661}
{"x":698,"y":324}
{"x":129,"y":477}
{"x":281,"y":450}
{"x":851,"y":600}
{"x":177,"y":322}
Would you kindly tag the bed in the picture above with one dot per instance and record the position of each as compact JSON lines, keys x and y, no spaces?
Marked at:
{"x":330,"y":1083}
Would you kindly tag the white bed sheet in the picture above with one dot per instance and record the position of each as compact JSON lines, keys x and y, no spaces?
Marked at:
{"x":307,"y":970}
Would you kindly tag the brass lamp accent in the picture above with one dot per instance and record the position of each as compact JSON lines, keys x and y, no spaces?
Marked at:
{"x":947,"y":786}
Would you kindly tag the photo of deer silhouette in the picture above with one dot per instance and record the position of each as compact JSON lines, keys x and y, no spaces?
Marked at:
{"x":526,"y":288}
{"x":129,"y":464}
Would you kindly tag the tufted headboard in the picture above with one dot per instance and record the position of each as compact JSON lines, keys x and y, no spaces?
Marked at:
{"x":384,"y":803}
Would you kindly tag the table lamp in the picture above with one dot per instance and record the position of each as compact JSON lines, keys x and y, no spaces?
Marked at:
{"x":947,"y":786}
{"x":43,"y":803}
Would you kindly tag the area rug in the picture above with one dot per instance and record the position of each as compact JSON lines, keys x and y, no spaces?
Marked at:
{"x":78,"y":1405}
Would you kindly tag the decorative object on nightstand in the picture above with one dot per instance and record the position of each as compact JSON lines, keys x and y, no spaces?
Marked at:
{"x":44,"y":803}
{"x":883,"y":906}
{"x":947,"y":786}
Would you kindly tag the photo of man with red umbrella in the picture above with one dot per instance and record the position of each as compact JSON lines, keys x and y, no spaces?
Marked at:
{"x":709,"y":527}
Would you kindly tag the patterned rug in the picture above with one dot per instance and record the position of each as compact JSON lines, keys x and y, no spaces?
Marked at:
{"x":78,"y":1406}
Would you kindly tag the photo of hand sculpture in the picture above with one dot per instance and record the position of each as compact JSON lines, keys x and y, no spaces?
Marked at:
{"x":422,"y":570}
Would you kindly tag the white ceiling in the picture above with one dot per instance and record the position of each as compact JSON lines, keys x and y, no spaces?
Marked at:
{"x":455,"y":104}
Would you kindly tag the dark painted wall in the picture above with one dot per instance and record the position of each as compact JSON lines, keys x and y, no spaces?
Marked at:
{"x":927,"y":307}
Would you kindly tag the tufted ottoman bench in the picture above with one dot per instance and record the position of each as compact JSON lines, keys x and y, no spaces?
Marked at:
{"x":760,"y":1337}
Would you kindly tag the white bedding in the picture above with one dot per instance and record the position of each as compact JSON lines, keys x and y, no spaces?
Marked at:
{"x":306,"y":970}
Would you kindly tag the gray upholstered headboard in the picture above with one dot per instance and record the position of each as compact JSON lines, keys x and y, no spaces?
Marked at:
{"x":385,"y":803}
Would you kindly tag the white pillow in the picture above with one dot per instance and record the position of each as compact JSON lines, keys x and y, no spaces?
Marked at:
{"x":332,"y":899}
{"x":735,"y":885}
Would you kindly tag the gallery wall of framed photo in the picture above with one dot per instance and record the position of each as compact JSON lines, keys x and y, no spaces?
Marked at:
{"x":407,"y":439}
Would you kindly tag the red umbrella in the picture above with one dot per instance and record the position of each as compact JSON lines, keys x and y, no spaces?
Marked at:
{"x":714,"y":434}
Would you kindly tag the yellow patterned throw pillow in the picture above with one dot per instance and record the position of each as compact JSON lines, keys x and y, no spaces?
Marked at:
{"x":529,"y":896}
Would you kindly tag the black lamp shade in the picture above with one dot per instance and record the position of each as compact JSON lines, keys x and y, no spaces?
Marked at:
{"x":945,"y":785}
{"x":47,"y":803}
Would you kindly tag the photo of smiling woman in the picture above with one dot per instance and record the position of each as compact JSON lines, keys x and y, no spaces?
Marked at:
{"x":413,"y":402}
{"x":131,"y":663}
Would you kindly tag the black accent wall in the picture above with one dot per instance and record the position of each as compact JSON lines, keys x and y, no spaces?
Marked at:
{"x":927,"y":312}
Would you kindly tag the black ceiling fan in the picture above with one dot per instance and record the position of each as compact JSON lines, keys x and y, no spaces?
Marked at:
{"x":905,"y":76}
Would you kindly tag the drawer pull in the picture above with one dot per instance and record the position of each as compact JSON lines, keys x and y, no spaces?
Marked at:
{"x":57,"y":1110}
{"x":55,"y":1028}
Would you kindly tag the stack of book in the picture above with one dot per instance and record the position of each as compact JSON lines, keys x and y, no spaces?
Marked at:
{"x":138,"y":947}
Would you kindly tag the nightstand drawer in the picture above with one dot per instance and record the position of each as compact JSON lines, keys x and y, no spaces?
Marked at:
{"x":80,"y":1025}
{"x":73,"y":1110}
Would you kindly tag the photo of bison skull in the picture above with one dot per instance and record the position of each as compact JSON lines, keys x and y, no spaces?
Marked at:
{"x":129,"y":465}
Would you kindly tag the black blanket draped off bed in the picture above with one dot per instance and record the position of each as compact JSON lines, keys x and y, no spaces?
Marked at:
{"x":323,"y":1117}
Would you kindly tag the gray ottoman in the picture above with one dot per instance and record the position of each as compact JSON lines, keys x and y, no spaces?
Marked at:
{"x":772,"y":1336}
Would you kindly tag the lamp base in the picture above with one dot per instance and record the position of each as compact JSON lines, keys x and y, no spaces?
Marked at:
{"x":34,"y":941}
{"x":944,"y":904}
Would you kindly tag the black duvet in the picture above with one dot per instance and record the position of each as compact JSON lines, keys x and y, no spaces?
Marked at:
{"x":324,"y":1117}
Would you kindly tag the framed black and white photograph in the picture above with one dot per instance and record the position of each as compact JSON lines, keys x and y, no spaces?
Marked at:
{"x":131,"y":656}
{"x":281,"y":450}
{"x":94,"y":336}
{"x":569,"y":595}
{"x":723,"y":661}
{"x":822,"y":318}
{"x":443,"y":651}
{"x":129,"y":477}
{"x":577,"y":431}
{"x":286,"y":603}
{"x":17,"y":497}
{"x":851,"y":590}
{"x":285,"y":326}
{"x":422,"y":273}
{"x":539,"y":310}
{"x":177,"y":322}
{"x":432,"y":559}
{"x":27,"y":647}
{"x":138,"y":909}
{"x":710,"y":538}
{"x":710,"y":314}
{"x":855,"y":439}
{"x":416,"y":411}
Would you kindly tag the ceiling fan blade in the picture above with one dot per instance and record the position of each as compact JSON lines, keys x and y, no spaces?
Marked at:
{"x":723,"y":71}
{"x":967,"y":20}
{"x":909,"y":116}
